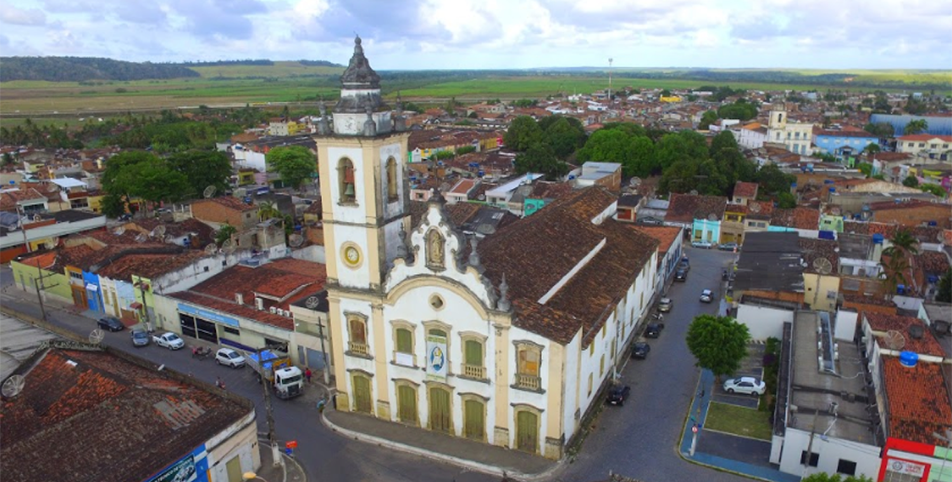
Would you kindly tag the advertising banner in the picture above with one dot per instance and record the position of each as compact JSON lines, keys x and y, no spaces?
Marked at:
{"x":436,"y":358}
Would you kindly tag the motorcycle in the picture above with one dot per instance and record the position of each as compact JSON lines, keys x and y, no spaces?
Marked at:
{"x":201,"y":352}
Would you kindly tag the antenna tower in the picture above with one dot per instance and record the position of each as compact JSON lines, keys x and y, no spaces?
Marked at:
{"x":610,"y":81}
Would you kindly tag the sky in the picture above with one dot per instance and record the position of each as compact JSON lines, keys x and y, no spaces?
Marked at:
{"x":491,"y":34}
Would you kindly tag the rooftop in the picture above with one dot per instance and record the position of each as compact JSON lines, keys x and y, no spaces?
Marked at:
{"x":813,"y":391}
{"x":230,"y":203}
{"x":746,"y":189}
{"x":918,"y":402}
{"x":92,"y":404}
{"x":925,"y":344}
{"x":770,"y":261}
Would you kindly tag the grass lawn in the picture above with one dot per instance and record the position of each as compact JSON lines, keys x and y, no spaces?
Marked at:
{"x":748,"y":422}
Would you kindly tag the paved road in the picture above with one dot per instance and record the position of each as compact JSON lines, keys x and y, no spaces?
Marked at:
{"x":640,"y":439}
{"x":325,"y":455}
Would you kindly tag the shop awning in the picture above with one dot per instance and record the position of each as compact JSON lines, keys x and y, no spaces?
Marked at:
{"x":136,"y":306}
{"x":92,"y":287}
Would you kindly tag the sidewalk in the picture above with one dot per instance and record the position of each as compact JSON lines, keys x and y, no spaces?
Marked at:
{"x":477,"y":456}
{"x":698,"y":415}
{"x":288,"y":471}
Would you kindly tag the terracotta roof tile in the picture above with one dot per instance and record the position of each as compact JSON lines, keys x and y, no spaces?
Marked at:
{"x":813,"y":249}
{"x":93,"y":405}
{"x":917,"y":399}
{"x":685,"y":208}
{"x":798,"y":218}
{"x":148,"y":265}
{"x":665,"y":235}
{"x":746,"y":189}
{"x":926,"y":345}
{"x":231,"y":203}
{"x":736,"y":208}
{"x":760,"y":209}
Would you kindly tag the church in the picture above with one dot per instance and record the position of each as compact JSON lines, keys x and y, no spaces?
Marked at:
{"x":505,"y":340}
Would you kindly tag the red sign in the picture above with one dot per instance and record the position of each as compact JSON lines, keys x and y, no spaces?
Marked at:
{"x":291,"y":444}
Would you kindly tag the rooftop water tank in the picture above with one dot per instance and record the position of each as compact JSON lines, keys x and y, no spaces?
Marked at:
{"x":878,"y":238}
{"x":908,"y":358}
{"x":832,"y":189}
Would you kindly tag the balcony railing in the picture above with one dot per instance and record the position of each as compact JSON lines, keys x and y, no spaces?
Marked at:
{"x":530,"y":382}
{"x":474,"y":371}
{"x":358,"y":348}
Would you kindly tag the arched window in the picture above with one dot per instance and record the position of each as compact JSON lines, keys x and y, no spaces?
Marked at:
{"x":391,"y":180}
{"x":345,"y":173}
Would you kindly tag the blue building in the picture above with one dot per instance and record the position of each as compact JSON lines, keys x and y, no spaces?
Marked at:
{"x":938,"y":126}
{"x":843,"y":143}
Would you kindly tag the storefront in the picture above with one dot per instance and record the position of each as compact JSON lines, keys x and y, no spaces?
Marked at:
{"x":906,"y":461}
{"x":221,"y":329}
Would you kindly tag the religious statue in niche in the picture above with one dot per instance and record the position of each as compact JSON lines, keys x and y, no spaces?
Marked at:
{"x":434,"y":250}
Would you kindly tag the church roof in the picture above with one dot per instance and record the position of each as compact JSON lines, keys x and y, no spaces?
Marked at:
{"x":538,"y":252}
{"x":359,"y":70}
{"x":356,"y":81}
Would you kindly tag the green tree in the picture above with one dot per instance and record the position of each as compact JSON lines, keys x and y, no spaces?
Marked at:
{"x":523,"y":132}
{"x":465,"y":150}
{"x":112,"y":205}
{"x":642,"y":158}
{"x":707,"y":119}
{"x":118,"y":176}
{"x":444,"y":155}
{"x":945,"y":288}
{"x":605,"y":145}
{"x":871,"y":148}
{"x":866,"y":168}
{"x":903,"y":245}
{"x":741,"y":110}
{"x":934,"y":189}
{"x":680,"y":146}
{"x":540,"y":158}
{"x":665,"y":93}
{"x":915,"y":127}
{"x":773,"y":181}
{"x":224,"y":233}
{"x":880,"y":129}
{"x":203,"y":169}
{"x":723,"y":140}
{"x":681,"y":177}
{"x":825,"y":477}
{"x":7,"y":158}
{"x":718,"y":342}
{"x":910,"y":181}
{"x":156,"y":182}
{"x":786,"y":200}
{"x":268,"y":210}
{"x":563,"y":134}
{"x":294,"y":164}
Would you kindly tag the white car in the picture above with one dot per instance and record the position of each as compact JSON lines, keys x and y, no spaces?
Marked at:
{"x":702,"y":244}
{"x":748,"y":385}
{"x":707,"y":296}
{"x":229,"y":358}
{"x":168,"y":340}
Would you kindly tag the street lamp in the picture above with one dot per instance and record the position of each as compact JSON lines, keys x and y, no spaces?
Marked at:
{"x":251,"y":476}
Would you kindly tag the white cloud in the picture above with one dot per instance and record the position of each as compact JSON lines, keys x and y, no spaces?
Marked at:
{"x":17,"y":16}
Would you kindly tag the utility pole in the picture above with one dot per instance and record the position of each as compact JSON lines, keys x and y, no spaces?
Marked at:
{"x":145,"y":306}
{"x":37,"y":283}
{"x":327,"y":369}
{"x":265,"y":381}
{"x":806,"y":460}
{"x":610,"y":81}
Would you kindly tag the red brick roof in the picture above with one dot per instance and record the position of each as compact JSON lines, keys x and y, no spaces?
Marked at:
{"x":231,"y":203}
{"x":90,"y":405}
{"x":666,"y":235}
{"x":685,"y":208}
{"x":148,"y":265}
{"x":746,"y":189}
{"x":917,"y":399}
{"x":798,"y":218}
{"x":926,"y":345}
{"x":764,"y":211}
{"x":9,"y":199}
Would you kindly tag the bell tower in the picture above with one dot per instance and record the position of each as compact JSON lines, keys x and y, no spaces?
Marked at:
{"x":361,"y":157}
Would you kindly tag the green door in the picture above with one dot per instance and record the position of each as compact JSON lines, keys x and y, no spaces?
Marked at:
{"x":233,"y":467}
{"x":475,"y":422}
{"x":362,"y":401}
{"x":527,"y":432}
{"x":406,"y":400}
{"x":440,"y":409}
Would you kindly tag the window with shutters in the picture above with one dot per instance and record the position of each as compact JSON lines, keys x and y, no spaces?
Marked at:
{"x":357,"y":331}
{"x":404,"y":347}
{"x":528,"y":366}
{"x":474,"y":365}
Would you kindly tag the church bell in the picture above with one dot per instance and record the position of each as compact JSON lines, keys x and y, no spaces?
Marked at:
{"x":349,"y":190}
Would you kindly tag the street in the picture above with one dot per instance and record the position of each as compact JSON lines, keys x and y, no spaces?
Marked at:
{"x":640,"y":439}
{"x":637,"y":440}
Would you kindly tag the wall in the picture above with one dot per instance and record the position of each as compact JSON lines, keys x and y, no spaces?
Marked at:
{"x":313,"y":253}
{"x":763,"y":322}
{"x":821,"y":291}
{"x":845,"y":326}
{"x":15,"y":238}
{"x":831,"y":451}
{"x":54,"y":284}
{"x":238,"y":440}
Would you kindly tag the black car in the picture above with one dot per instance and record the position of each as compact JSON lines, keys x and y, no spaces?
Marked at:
{"x":110,"y":323}
{"x":640,"y":350}
{"x":618,"y":394}
{"x":653,"y":330}
{"x":681,"y":275}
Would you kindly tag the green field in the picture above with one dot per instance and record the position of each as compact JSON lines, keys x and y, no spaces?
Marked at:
{"x":237,"y":85}
{"x":747,"y":422}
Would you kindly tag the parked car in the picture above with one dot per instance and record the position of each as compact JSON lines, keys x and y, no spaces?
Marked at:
{"x":229,"y":358}
{"x":665,"y":305}
{"x":681,"y":275}
{"x":640,"y":350}
{"x":110,"y":323}
{"x":728,"y":247}
{"x":169,"y":340}
{"x":702,"y":244}
{"x":748,"y":385}
{"x":140,"y":337}
{"x":653,"y":330}
{"x":707,"y":296}
{"x":618,"y":394}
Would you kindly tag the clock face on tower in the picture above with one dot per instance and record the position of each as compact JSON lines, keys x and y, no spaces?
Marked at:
{"x":352,"y":256}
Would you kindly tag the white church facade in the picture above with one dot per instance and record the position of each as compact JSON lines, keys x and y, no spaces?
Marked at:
{"x":504,"y":340}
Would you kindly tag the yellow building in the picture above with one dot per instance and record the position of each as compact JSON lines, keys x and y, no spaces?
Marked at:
{"x":670,"y":98}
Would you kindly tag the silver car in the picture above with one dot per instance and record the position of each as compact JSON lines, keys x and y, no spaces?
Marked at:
{"x":748,"y":385}
{"x":229,"y":358}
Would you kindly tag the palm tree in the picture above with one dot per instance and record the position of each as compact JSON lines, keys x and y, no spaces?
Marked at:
{"x":902,"y":245}
{"x":915,"y":127}
{"x":268,"y":210}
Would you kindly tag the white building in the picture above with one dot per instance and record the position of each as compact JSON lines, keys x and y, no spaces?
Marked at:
{"x":498,"y":342}
{"x":796,"y":136}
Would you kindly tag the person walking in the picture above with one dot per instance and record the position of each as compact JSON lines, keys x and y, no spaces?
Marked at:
{"x":307,"y":374}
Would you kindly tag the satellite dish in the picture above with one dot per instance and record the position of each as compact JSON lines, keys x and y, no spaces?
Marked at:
{"x":118,"y":231}
{"x":13,"y":386}
{"x":894,"y":340}
{"x":37,"y":218}
{"x":158,"y":232}
{"x":52,"y":187}
{"x":96,"y":336}
{"x":711,"y":217}
{"x":211,"y":248}
{"x":755,"y":208}
{"x":140,"y":238}
{"x":693,"y":192}
{"x":209,"y":192}
{"x":312,"y":301}
{"x":228,"y":246}
{"x":823,"y":265}
{"x":635,"y":181}
{"x":169,"y":238}
{"x":296,"y":240}
{"x":835,"y":210}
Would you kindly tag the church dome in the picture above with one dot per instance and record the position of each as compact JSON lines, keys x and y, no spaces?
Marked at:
{"x":359,"y":71}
